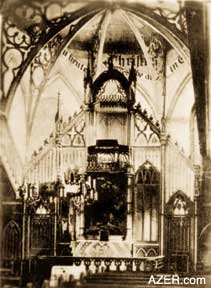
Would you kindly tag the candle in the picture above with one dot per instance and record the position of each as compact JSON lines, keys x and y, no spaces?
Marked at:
{"x":94,"y":184}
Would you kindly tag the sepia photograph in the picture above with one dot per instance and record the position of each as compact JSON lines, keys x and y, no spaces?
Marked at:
{"x":105,"y":143}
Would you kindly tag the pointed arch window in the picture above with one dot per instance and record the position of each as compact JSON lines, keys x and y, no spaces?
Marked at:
{"x":147,"y":202}
{"x":11,"y":241}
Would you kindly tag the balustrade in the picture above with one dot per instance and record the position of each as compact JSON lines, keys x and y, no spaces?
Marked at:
{"x":100,"y":264}
{"x":143,"y":154}
{"x":182,"y":170}
{"x":44,"y":166}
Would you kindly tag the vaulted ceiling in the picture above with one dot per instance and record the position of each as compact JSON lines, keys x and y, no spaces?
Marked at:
{"x":45,"y":45}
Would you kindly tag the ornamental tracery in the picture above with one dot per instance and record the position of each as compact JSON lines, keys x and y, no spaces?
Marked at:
{"x":16,"y":45}
{"x":39,"y":22}
{"x":157,"y":53}
{"x":111,"y":92}
{"x":178,"y":18}
{"x":144,"y":135}
{"x":33,"y":38}
{"x":179,"y":205}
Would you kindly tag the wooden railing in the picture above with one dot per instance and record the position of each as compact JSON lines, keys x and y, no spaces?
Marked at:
{"x":49,"y":270}
{"x":44,"y":169}
{"x":143,"y":154}
{"x":97,"y":264}
{"x":44,"y":163}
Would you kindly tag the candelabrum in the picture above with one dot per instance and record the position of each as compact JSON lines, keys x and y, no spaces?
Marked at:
{"x":80,"y":190}
{"x":59,"y":202}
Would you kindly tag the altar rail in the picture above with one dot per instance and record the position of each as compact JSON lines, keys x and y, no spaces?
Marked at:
{"x":98,"y":264}
{"x":85,"y":266}
{"x":51,"y":268}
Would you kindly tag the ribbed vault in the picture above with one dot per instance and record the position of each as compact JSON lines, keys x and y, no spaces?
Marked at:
{"x":38,"y":36}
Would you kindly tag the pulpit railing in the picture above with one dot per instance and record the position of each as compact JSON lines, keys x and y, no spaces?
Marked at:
{"x":108,"y":155}
{"x":94,"y":165}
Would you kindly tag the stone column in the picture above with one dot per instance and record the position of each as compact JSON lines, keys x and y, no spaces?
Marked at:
{"x":131,"y":135}
{"x":198,"y":15}
{"x":88,"y":126}
{"x":129,"y":224}
{"x":208,"y":74}
{"x":163,"y":141}
{"x":82,"y":224}
{"x":207,"y":159}
{"x":196,"y":196}
{"x":28,"y":235}
{"x":24,"y":229}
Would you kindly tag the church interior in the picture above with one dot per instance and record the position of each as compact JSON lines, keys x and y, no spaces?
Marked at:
{"x":105,"y":140}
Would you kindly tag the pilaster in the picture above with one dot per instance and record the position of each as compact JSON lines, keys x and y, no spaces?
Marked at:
{"x":197,"y":176}
{"x":81,"y":219}
{"x":163,"y":142}
{"x":130,"y":184}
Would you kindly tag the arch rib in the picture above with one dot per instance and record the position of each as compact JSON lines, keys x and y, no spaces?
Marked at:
{"x":161,"y":25}
{"x":90,"y":9}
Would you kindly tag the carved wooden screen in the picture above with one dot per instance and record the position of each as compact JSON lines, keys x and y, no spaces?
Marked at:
{"x":41,"y":235}
{"x":179,"y":234}
{"x":179,"y":211}
{"x":147,"y":202}
{"x":11,"y":241}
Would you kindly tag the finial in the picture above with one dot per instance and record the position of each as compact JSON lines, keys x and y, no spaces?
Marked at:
{"x":58,"y":116}
{"x":110,"y":62}
{"x":88,"y":72}
{"x":133,"y":74}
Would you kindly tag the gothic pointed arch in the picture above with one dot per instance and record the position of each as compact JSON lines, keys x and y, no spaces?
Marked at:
{"x":179,"y":204}
{"x":11,"y":241}
{"x":112,"y":74}
{"x":179,"y":211}
{"x":147,"y":185}
{"x":147,"y":174}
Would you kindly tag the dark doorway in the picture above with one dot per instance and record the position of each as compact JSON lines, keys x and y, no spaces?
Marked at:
{"x":108,"y":212}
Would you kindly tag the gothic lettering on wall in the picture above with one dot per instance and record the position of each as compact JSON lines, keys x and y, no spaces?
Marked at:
{"x":123,"y":63}
{"x":74,"y":61}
